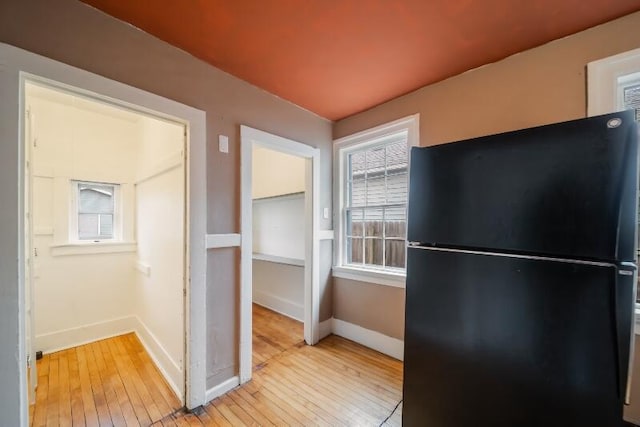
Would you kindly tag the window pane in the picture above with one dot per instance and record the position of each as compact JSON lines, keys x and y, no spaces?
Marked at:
{"x":395,"y":222}
{"x":373,"y":222}
{"x":356,"y":164}
{"x":354,"y":251}
{"x":373,"y":252}
{"x":376,"y":191}
{"x":397,"y":154}
{"x":375,"y":161}
{"x":357,"y":193}
{"x":397,"y":189}
{"x":87,"y":226}
{"x":355,"y":222}
{"x":394,"y":253}
{"x":106,"y":226}
{"x":95,"y":198}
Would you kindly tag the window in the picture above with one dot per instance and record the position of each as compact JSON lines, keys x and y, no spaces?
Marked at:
{"x":373,"y":188}
{"x":95,"y":211}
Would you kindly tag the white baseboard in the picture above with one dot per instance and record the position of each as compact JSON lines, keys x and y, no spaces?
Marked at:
{"x":325,"y":328}
{"x":222,"y":388}
{"x":384,"y":344}
{"x":74,"y":337}
{"x":279,"y":305}
{"x":170,"y":369}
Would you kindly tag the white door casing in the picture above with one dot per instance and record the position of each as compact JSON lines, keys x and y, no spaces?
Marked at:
{"x":16,"y":67}
{"x":249,"y":137}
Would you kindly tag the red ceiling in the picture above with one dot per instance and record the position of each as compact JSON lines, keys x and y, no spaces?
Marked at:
{"x":339,"y":57}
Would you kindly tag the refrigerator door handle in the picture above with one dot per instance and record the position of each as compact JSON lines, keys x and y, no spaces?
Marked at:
{"x":630,"y":269}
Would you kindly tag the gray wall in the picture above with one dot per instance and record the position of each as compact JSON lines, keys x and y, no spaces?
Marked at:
{"x":77,"y":34}
{"x":10,"y":357}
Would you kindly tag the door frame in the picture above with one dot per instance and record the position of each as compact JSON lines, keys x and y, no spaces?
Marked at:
{"x":18,"y":66}
{"x":248,"y":137}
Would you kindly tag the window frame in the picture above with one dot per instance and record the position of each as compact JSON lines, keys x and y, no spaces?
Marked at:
{"x":74,"y":236}
{"x":342,"y":148}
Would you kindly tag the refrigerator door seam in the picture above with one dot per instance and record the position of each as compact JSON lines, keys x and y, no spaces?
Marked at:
{"x":530,"y":257}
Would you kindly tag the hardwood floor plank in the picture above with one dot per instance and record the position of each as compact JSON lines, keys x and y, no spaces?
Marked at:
{"x":53,"y":397}
{"x":277,"y":403}
{"x":260,"y":413}
{"x":75,"y":389}
{"x":226,"y":412}
{"x":216,"y":416}
{"x":39,"y":417}
{"x":88,"y":403}
{"x":126,"y":375}
{"x":155,"y":400}
{"x":117,"y":417}
{"x":99,"y":395}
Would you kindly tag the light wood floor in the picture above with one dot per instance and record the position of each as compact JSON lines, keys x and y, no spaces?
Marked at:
{"x":111,"y":382}
{"x":336,"y":382}
{"x":273,"y":333}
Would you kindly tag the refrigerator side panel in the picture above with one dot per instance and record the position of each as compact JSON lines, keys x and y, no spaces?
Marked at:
{"x":503,"y":341}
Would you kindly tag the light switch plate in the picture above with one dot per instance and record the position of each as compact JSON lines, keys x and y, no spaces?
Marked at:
{"x":223,"y":143}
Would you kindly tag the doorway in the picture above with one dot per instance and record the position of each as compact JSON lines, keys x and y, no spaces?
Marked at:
{"x":20,"y":66}
{"x":296,"y":253}
{"x":278,"y":267}
{"x":101,"y":263}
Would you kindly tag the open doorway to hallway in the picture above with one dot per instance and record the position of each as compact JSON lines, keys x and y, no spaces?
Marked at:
{"x":278,"y":287}
{"x":105,"y":259}
{"x":281,"y":215}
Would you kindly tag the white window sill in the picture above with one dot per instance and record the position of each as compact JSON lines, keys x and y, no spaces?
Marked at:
{"x":86,"y":248}
{"x":396,"y":280}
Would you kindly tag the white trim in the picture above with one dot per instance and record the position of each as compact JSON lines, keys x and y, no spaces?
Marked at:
{"x":170,"y":369}
{"x":249,"y":137}
{"x":92,"y":248}
{"x":278,"y":259}
{"x":18,"y":66}
{"x":326,"y":235}
{"x":85,"y":334}
{"x":370,"y":276}
{"x":229,"y":240}
{"x":361,"y":139}
{"x":375,"y":340}
{"x":603,"y":78}
{"x":326,"y":328}
{"x":280,"y":305}
{"x":222,"y":388}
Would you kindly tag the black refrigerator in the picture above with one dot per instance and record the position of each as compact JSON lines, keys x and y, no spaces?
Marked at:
{"x":521,"y":277}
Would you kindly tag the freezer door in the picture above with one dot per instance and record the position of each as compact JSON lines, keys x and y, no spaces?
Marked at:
{"x":503,"y":341}
{"x":566,"y":190}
